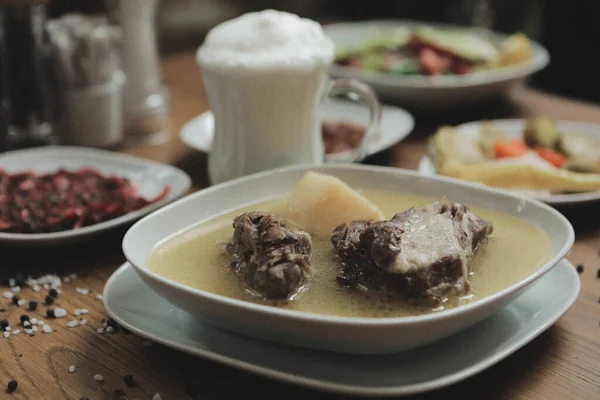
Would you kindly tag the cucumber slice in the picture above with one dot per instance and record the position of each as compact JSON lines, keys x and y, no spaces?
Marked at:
{"x":372,"y":62}
{"x":405,"y":66}
{"x":459,"y":43}
{"x":390,"y":40}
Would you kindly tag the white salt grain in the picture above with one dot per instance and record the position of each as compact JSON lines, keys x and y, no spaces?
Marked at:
{"x":73,"y":276}
{"x":49,"y":280}
{"x":72,"y":324}
{"x":36,"y":288}
{"x":7,"y":329}
{"x":157,"y":396}
{"x":8,"y":295}
{"x":6,"y":334}
{"x":15,"y":289}
{"x":22,"y":302}
{"x":12,"y":282}
{"x":72,"y":368}
{"x":33,"y":321}
{"x":100,"y":330}
{"x":59,"y":312}
{"x":34,"y":328}
{"x":82,"y":291}
{"x":82,"y":321}
{"x":47,"y":329}
{"x":46,"y":286}
{"x":41,"y":323}
{"x":110,"y":329}
{"x":16,"y":332}
{"x":99,"y":297}
{"x":29,"y":332}
{"x":26,"y":323}
{"x":98,"y":378}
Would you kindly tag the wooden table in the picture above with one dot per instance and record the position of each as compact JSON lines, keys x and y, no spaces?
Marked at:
{"x":563,"y":363}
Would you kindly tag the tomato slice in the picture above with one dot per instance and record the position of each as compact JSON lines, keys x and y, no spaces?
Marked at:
{"x":433,"y":62}
{"x":514,"y":148}
{"x":552,"y":156}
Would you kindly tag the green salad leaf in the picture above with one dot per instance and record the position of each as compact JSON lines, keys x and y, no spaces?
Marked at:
{"x":405,"y":66}
{"x":395,"y":39}
{"x":372,"y":61}
{"x":463,"y":44}
{"x":344,"y":52}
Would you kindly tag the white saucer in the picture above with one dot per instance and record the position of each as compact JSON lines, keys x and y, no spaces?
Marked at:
{"x":396,"y":124}
{"x":135,"y":306}
{"x":514,"y":128}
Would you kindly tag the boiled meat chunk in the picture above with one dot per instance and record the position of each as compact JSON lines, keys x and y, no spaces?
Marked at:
{"x":271,"y":258}
{"x":423,"y":252}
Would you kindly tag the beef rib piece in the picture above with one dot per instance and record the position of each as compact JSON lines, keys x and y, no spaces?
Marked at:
{"x":421,"y":253}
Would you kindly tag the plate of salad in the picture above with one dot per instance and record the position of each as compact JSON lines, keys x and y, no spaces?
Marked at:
{"x":433,"y":65}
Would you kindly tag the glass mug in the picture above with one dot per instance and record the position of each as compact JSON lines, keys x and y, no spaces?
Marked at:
{"x":270,"y":119}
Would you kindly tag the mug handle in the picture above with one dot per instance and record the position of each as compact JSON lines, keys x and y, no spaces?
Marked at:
{"x":367,"y":95}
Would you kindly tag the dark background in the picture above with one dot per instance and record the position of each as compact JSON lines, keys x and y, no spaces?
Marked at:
{"x":570,"y":30}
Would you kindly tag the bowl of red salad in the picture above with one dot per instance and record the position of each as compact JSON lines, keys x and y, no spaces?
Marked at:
{"x":432,"y":64}
{"x":56,"y":194}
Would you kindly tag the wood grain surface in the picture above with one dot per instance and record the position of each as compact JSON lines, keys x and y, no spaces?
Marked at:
{"x":563,"y":363}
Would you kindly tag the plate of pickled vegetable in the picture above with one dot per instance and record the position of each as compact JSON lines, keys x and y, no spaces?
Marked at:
{"x":557,"y":162}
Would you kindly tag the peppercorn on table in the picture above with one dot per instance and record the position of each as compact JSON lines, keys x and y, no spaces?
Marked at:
{"x":62,"y":345}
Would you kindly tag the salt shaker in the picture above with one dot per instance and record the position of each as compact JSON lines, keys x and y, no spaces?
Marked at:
{"x":145,"y":98}
{"x":86,"y":54}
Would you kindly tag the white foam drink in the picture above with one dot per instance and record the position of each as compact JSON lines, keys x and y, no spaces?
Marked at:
{"x":265,"y":74}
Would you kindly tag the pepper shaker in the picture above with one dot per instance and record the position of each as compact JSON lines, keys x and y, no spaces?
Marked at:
{"x":26,"y":86}
{"x":145,"y":98}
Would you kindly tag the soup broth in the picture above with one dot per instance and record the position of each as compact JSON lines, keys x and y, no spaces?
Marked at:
{"x":195,"y":258}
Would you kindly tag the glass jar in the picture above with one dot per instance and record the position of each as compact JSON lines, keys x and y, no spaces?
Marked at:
{"x":27,"y":105}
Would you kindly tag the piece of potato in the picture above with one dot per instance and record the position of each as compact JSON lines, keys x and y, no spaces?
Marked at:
{"x":578,"y":145}
{"x":319,"y":203}
{"x":541,"y":132}
{"x":583,"y":165}
{"x":488,"y":136}
{"x":515,"y":50}
{"x":448,"y":144}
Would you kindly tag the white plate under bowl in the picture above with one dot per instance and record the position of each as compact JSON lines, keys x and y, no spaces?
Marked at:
{"x":425,"y":91}
{"x":341,"y":334}
{"x":149,"y":177}
{"x":136,"y":307}
{"x":396,"y":124}
{"x":514,"y":128}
